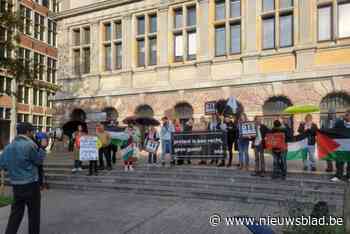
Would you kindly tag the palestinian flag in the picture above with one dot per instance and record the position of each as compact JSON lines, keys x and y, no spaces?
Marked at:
{"x":119,"y":138}
{"x":334,"y":144}
{"x":297,"y":150}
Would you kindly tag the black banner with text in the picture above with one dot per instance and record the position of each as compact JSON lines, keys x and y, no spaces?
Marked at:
{"x":199,"y":145}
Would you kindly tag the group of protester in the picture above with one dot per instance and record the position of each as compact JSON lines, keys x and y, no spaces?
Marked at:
{"x":230,"y":125}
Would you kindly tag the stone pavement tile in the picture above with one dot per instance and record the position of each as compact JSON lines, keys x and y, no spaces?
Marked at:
{"x":75,"y":212}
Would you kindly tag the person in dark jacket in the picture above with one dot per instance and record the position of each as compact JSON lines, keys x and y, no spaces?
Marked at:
{"x":309,"y":129}
{"x":187,"y":128}
{"x":279,"y":154}
{"x":231,"y":138}
{"x":21,"y":159}
{"x":258,"y":144}
{"x":341,"y":124}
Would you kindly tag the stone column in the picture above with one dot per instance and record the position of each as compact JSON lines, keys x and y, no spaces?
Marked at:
{"x":95,"y":48}
{"x":204,"y":48}
{"x":305,"y":33}
{"x":127,"y":51}
{"x":163,"y":44}
{"x":250,"y":40}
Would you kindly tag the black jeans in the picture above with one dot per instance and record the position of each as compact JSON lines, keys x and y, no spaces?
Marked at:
{"x":279,"y":164}
{"x":340,"y":170}
{"x":106,"y":152}
{"x":230,"y":151}
{"x":41,"y":175}
{"x":152,"y":158}
{"x":92,"y":167}
{"x":114,"y":150}
{"x":25,"y":195}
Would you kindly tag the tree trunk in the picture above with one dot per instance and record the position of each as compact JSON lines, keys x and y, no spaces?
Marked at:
{"x":13,"y":118}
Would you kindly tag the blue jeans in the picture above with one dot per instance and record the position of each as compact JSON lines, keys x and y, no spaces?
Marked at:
{"x":243,"y":145}
{"x":166,"y":149}
{"x":311,"y":155}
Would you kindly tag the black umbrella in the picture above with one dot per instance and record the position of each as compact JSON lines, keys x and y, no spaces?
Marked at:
{"x":130,"y":119}
{"x":70,"y":127}
{"x":147,"y":121}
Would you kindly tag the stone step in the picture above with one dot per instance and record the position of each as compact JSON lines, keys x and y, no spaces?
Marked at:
{"x":234,"y":185}
{"x":198,"y":193}
{"x":219,"y":176}
{"x":207,"y":170}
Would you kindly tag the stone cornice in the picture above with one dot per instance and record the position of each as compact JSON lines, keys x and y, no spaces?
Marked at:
{"x":252,"y":80}
{"x":92,"y":7}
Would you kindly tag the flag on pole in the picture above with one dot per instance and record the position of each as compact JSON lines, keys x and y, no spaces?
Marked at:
{"x":334,"y":144}
{"x":232,"y":103}
{"x":297,"y":150}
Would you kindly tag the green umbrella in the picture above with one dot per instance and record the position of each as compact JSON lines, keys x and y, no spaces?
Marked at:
{"x":301,"y":109}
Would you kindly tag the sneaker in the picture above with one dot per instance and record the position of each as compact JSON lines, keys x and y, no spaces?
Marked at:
{"x":335,"y":179}
{"x":313,"y":169}
{"x":109,"y":168}
{"x":80,"y":169}
{"x":131,"y":168}
{"x":305,"y":168}
{"x":74,"y":170}
{"x":126,"y":168}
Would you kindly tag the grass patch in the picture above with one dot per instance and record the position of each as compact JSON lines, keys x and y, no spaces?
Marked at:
{"x":5,"y":201}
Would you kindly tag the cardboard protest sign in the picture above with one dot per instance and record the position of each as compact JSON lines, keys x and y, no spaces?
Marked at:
{"x":151,"y":146}
{"x":88,"y":148}
{"x":275,"y":141}
{"x":247,"y":129}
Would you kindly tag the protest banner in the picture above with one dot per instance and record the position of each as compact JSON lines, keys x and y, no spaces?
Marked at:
{"x":199,"y":145}
{"x":88,"y":148}
{"x":151,"y":146}
{"x":247,"y":129}
{"x":275,"y":141}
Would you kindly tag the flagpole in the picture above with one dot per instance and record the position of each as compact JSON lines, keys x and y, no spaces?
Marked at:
{"x":347,"y":208}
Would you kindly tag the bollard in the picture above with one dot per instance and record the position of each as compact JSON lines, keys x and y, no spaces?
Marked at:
{"x":347,"y":208}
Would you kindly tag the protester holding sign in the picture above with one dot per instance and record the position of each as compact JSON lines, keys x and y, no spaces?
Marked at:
{"x":165,"y":137}
{"x":76,"y":136}
{"x":258,"y":143}
{"x":152,"y":138}
{"x":278,"y":149}
{"x":130,"y":153}
{"x":309,"y":129}
{"x":243,"y":143}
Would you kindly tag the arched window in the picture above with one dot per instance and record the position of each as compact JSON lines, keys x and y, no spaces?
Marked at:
{"x":78,"y":115}
{"x":111,"y":113}
{"x":144,"y":111}
{"x":183,"y":111}
{"x":333,"y":106}
{"x":273,"y":108}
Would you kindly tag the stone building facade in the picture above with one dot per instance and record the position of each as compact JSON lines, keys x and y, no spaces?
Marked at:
{"x":37,"y":48}
{"x":170,"y":57}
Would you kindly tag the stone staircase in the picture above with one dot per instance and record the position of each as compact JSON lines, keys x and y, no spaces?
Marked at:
{"x":201,"y":182}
